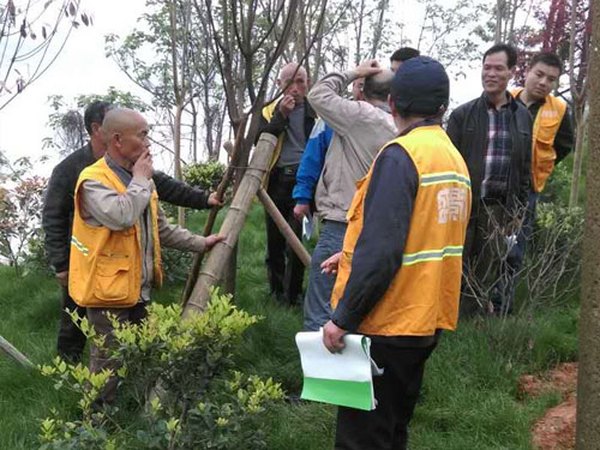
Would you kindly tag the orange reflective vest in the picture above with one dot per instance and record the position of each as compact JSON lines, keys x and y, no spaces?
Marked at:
{"x":545,"y":127}
{"x":105,"y":266}
{"x":424,"y":294}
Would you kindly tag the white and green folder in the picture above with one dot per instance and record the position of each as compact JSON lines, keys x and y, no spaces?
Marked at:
{"x":344,"y":378}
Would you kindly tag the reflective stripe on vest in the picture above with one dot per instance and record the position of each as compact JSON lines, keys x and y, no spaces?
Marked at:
{"x":444,"y":177}
{"x":79,"y":246}
{"x":423,"y":295}
{"x":408,"y":259}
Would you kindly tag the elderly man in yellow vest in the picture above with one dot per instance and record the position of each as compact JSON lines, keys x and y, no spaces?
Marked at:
{"x":552,"y":137}
{"x":399,"y":272}
{"x":118,"y":228}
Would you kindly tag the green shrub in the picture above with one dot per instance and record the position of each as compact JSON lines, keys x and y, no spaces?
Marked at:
{"x":206,"y":176}
{"x":558,"y":186}
{"x":36,"y":258}
{"x":184,"y":366}
{"x":176,"y":264}
{"x":552,"y":266}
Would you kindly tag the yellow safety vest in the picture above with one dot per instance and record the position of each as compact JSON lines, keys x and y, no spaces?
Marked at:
{"x":545,"y":126}
{"x":424,"y":294}
{"x":105,"y":266}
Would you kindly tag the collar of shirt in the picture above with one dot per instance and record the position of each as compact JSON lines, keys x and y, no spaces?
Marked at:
{"x":511,"y":102}
{"x":533,"y":107}
{"x":384,"y":107}
{"x":124,"y":175}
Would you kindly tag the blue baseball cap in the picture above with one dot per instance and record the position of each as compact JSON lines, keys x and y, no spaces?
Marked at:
{"x":420,"y":86}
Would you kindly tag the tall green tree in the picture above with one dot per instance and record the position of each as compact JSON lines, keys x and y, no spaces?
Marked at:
{"x":66,"y":118}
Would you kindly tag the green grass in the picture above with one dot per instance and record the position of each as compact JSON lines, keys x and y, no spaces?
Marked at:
{"x":470,"y":398}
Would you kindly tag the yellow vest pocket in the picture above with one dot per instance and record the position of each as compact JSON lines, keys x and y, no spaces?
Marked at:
{"x":112,"y":278}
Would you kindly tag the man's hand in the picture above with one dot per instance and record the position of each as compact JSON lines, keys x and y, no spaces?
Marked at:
{"x":330,"y":265}
{"x":367,"y":68}
{"x":286,"y":105}
{"x":63,"y":278}
{"x":300,"y":211}
{"x":213,"y":239}
{"x":333,"y":337}
{"x":213,"y":200}
{"x":143,"y":166}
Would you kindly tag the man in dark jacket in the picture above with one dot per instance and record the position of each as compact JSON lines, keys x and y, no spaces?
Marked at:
{"x":493,"y":133}
{"x":291,"y":119}
{"x":57,"y":218}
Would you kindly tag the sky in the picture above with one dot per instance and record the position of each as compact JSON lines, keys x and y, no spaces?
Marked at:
{"x":82,"y":68}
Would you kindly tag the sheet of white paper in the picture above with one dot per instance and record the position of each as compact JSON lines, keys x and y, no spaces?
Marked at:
{"x":352,"y":364}
{"x":307,"y":226}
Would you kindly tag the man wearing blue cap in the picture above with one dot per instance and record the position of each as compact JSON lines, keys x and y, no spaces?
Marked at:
{"x":399,"y":273}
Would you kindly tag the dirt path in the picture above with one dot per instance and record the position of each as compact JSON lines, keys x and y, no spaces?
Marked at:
{"x":556,"y":430}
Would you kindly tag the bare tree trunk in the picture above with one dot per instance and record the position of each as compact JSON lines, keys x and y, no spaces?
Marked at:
{"x":498,"y":31}
{"x":578,"y":159}
{"x":177,"y":158}
{"x":377,"y":33}
{"x":194,"y":131}
{"x":579,"y":95}
{"x":179,"y":91}
{"x":215,"y":266}
{"x":359,"y":32}
{"x":588,"y":383}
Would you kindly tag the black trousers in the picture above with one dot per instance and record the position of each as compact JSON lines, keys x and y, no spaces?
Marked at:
{"x":286,"y":271}
{"x":99,"y":357}
{"x":71,"y":341}
{"x":396,"y":391}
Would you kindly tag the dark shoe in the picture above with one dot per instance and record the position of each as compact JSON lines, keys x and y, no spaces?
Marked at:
{"x":296,"y":301}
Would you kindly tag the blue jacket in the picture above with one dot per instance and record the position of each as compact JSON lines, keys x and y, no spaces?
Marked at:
{"x":312,"y":163}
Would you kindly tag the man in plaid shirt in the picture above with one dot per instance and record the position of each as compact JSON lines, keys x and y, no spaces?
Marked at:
{"x":493,"y":133}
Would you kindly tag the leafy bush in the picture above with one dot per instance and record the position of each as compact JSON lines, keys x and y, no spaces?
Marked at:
{"x":20,"y":218}
{"x":184,"y":367}
{"x":176,"y":264}
{"x":36,"y":258}
{"x":206,"y":176}
{"x":558,"y":186}
{"x":553,"y":260}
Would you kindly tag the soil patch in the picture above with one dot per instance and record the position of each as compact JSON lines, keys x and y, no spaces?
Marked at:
{"x":556,"y":430}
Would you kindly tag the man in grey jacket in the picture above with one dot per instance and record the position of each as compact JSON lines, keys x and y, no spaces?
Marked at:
{"x":360,"y":128}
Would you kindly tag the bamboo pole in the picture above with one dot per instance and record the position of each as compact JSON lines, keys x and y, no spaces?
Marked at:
{"x":214,"y":266}
{"x":210,"y":222}
{"x":284,"y":227}
{"x":15,"y":354}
